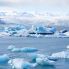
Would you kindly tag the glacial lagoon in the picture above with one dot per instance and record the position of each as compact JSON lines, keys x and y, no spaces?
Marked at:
{"x":46,"y":45}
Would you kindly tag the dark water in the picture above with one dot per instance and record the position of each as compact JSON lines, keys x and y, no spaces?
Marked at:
{"x":45,"y":45}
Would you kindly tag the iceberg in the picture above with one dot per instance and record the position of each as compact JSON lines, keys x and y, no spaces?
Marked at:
{"x":67,"y":34}
{"x":40,"y":29}
{"x":62,"y":54}
{"x":45,"y":61}
{"x":51,"y":29}
{"x":13,"y":49}
{"x":10,"y":47}
{"x":19,"y":63}
{"x":4,"y":59}
{"x":59,"y":55}
{"x":41,"y":59}
{"x":43,"y":30}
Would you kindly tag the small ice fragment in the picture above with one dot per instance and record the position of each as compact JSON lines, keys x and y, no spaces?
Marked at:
{"x":11,"y":47}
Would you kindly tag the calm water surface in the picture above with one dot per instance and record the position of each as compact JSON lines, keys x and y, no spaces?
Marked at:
{"x":45,"y":45}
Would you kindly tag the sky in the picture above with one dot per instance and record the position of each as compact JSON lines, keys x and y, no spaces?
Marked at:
{"x":60,"y":7}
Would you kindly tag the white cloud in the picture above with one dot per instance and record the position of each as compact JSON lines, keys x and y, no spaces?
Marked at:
{"x":38,"y":5}
{"x":49,"y":2}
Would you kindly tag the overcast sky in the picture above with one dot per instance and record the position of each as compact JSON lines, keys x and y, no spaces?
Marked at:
{"x":52,"y":6}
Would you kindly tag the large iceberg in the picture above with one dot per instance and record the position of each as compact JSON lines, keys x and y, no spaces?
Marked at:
{"x":40,"y":29}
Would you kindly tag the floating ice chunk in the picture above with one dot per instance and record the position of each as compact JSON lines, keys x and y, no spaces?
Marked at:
{"x":4,"y":59}
{"x":16,"y":50}
{"x":66,"y":33}
{"x":61,"y":54}
{"x":11,"y":47}
{"x":35,"y":56}
{"x":29,"y":49}
{"x":19,"y":63}
{"x":41,"y":59}
{"x":44,"y":61}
